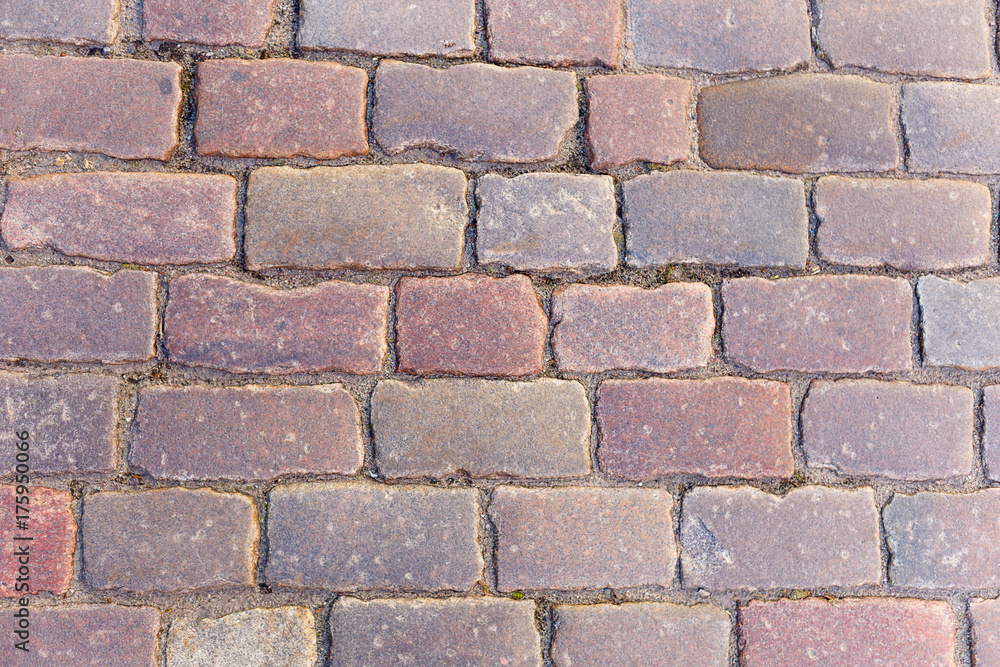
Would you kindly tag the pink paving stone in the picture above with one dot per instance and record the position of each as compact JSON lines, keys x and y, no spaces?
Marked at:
{"x":72,"y":21}
{"x":280,"y":108}
{"x":985,"y":630}
{"x":850,"y":632}
{"x":563,"y":32}
{"x":469,"y":325}
{"x":51,"y":526}
{"x":214,"y":22}
{"x":218,"y":322}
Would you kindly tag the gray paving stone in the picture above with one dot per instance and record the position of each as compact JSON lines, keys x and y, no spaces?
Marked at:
{"x":72,"y":21}
{"x":991,"y":434}
{"x":960,"y":321}
{"x":283,"y":636}
{"x":985,"y":622}
{"x":569,"y":32}
{"x":952,"y":127}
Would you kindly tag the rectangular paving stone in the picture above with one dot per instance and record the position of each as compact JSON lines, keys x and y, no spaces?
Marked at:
{"x":71,"y":421}
{"x":575,"y":32}
{"x":44,"y":563}
{"x":858,"y":631}
{"x":644,"y":633}
{"x":475,"y":111}
{"x":607,"y":327}
{"x":835,"y":324}
{"x":68,"y":21}
{"x":715,"y":218}
{"x":216,"y":23}
{"x":250,"y":432}
{"x":349,"y":537}
{"x":371,"y":217}
{"x":280,"y":108}
{"x":547,"y":222}
{"x":952,"y":127}
{"x":959,"y":321}
{"x":169,"y":540}
{"x":387,"y":27}
{"x":943,"y":540}
{"x":991,"y":431}
{"x":469,"y":325}
{"x":812,"y":537}
{"x":720,"y":427}
{"x":450,"y":631}
{"x":895,"y":429}
{"x":141,"y":218}
{"x":124,"y":108}
{"x":482,"y":427}
{"x":281,"y":636}
{"x":63,"y":313}
{"x":217,"y":322}
{"x":985,"y":630}
{"x":799,"y":123}
{"x":583,"y":538}
{"x":911,"y":225}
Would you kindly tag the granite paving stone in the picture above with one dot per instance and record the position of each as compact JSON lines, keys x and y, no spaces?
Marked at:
{"x":985,"y":630}
{"x":283,"y":636}
{"x":569,"y":32}
{"x":49,"y":522}
{"x":212,"y":22}
{"x":69,"y":21}
{"x":952,"y":127}
{"x":959,"y":322}
{"x":991,"y":431}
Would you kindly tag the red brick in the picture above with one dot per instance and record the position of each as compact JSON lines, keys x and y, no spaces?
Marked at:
{"x":280,"y":108}
{"x":63,"y":313}
{"x":637,"y":118}
{"x":991,"y":432}
{"x":214,"y":22}
{"x":565,"y":32}
{"x":125,"y":217}
{"x":952,"y":127}
{"x":252,"y":432}
{"x":721,"y":427}
{"x":859,"y":631}
{"x":799,"y":123}
{"x":469,"y":325}
{"x":218,"y":322}
{"x":837,"y":324}
{"x":123,"y":108}
{"x":985,"y":631}
{"x":52,"y":529}
{"x":277,"y":636}
{"x":71,"y":21}
{"x":574,"y":538}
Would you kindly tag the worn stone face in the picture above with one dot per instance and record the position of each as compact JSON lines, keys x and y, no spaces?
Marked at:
{"x":51,"y":526}
{"x":215,"y":22}
{"x":281,"y":636}
{"x":813,"y":537}
{"x":72,"y":21}
{"x":799,"y":123}
{"x":985,"y":626}
{"x":372,"y":217}
{"x":991,"y":434}
{"x":475,"y":111}
{"x":547,"y":222}
{"x":952,"y":127}
{"x":715,"y":218}
{"x":959,"y":322}
{"x":572,"y":32}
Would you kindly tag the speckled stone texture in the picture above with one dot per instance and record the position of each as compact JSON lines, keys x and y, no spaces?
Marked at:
{"x":212,"y":22}
{"x":568,"y":32}
{"x":71,"y":21}
{"x":991,"y":433}
{"x":952,"y":127}
{"x":959,"y":322}
{"x":51,"y":526}
{"x":985,"y":631}
{"x":283,"y":636}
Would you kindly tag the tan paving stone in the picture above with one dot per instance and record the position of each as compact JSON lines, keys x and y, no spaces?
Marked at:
{"x":283,"y":636}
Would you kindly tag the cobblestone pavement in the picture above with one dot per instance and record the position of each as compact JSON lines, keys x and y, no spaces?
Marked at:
{"x":448,"y":332}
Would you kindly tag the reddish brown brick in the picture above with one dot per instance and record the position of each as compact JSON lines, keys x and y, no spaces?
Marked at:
{"x":63,"y":313}
{"x":721,"y":427}
{"x":859,"y":631}
{"x":921,"y":225}
{"x":72,"y":21}
{"x":637,"y":118}
{"x":52,"y":529}
{"x":169,"y":540}
{"x":813,"y":537}
{"x":568,"y":32}
{"x":280,"y":636}
{"x":573,"y":538}
{"x":124,"y":108}
{"x":799,"y":123}
{"x":215,"y":22}
{"x":469,"y":325}
{"x":280,"y":108}
{"x":240,"y":327}
{"x":253,"y":432}
{"x":952,"y":127}
{"x":141,"y":218}
{"x":985,"y":622}
{"x":896,"y":429}
{"x":991,"y":435}
{"x":837,"y":324}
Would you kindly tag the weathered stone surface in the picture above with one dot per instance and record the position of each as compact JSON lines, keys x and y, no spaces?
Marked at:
{"x":813,"y":537}
{"x":360,"y":537}
{"x":959,"y":322}
{"x":469,"y":325}
{"x":372,"y":217}
{"x":547,"y":222}
{"x":214,"y":22}
{"x":124,"y":108}
{"x":714,"y":218}
{"x":48,"y":521}
{"x":280,"y":107}
{"x":388,"y":27}
{"x":251,"y":432}
{"x":169,"y":539}
{"x":952,"y":127}
{"x":63,"y":313}
{"x":646,"y":633}
{"x":572,"y":32}
{"x":837,"y":324}
{"x":915,"y":225}
{"x":942,"y":540}
{"x":474,"y":111}
{"x":222,"y":323}
{"x":483,"y":427}
{"x":573,"y":538}
{"x":599,"y":328}
{"x":896,"y":429}
{"x":72,"y":21}
{"x":721,"y":35}
{"x":991,"y":434}
{"x":142,"y":218}
{"x":720,"y":427}
{"x":281,"y":636}
{"x":985,"y":627}
{"x":799,"y":123}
